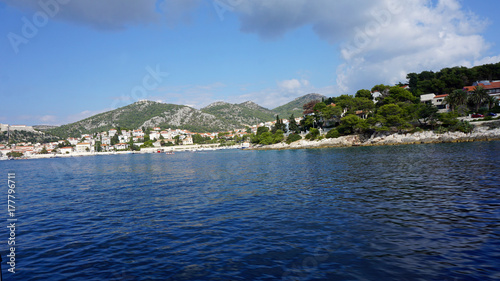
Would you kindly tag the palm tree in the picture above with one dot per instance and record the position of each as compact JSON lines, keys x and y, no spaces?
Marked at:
{"x":478,"y":97}
{"x":456,"y":98}
{"x":492,"y":101}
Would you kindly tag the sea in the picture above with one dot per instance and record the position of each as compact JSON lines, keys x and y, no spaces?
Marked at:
{"x":409,"y":212}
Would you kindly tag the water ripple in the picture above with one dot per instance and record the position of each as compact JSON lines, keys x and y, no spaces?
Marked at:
{"x":421,"y":212}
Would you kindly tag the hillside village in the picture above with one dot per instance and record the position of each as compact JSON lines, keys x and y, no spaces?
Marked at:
{"x":149,"y":140}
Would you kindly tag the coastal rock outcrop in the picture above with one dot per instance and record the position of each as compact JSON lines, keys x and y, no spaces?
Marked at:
{"x":481,"y":132}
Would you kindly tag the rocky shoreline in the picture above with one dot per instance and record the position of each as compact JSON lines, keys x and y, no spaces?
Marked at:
{"x":483,"y":131}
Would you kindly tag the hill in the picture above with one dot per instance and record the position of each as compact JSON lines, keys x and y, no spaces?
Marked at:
{"x":144,"y":114}
{"x":218,"y":116}
{"x":244,"y":114}
{"x":295,"y":107}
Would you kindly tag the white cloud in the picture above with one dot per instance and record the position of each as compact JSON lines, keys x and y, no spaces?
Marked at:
{"x":487,"y":60}
{"x":381,"y":41}
{"x":290,"y":85}
{"x":420,"y":37}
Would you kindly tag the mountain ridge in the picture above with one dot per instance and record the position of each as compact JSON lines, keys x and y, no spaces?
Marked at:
{"x":217,"y":116}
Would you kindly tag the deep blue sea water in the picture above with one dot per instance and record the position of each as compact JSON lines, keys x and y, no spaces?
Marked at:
{"x":414,"y":212}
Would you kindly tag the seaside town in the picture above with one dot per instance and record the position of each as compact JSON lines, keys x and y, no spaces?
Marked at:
{"x":167,"y":140}
{"x":144,"y":140}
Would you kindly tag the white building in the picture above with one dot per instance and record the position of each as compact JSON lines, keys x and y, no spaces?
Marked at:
{"x":166,"y":134}
{"x":106,"y":140}
{"x":120,"y":146}
{"x":427,"y":98}
{"x":154,"y":135}
{"x":84,"y":147}
{"x":66,"y":150}
{"x":105,"y":147}
{"x":123,"y":138}
{"x":73,"y":141}
{"x":187,"y":140}
{"x":438,"y":101}
{"x":138,"y":133}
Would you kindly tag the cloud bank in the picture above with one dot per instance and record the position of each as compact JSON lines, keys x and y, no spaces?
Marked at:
{"x":379,"y":41}
{"x":111,"y":14}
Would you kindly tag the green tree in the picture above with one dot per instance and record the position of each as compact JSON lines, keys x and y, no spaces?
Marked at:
{"x":97,"y":146}
{"x":44,"y":151}
{"x":261,"y":130}
{"x":278,"y":136}
{"x":397,"y":94}
{"x":332,"y":111}
{"x":177,"y":140}
{"x":319,"y":107}
{"x":307,"y":122}
{"x":413,"y":83}
{"x":334,"y":133}
{"x":364,"y":104}
{"x":478,"y":97}
{"x":132,"y":145}
{"x":456,"y":99}
{"x":391,"y":115}
{"x":363,"y":93}
{"x":266,"y":138}
{"x":346,"y":102}
{"x":492,"y":101}
{"x":313,"y":134}
{"x":427,"y":114}
{"x":448,"y":118}
{"x":380,"y":88}
{"x":114,"y":139}
{"x":198,"y":139}
{"x":292,"y":138}
{"x":15,"y":154}
{"x":278,"y":125}
{"x":292,"y":125}
{"x":352,"y":124}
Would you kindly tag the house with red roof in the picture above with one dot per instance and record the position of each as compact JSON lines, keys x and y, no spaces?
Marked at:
{"x":66,"y":149}
{"x":439,"y":102}
{"x":491,"y":87}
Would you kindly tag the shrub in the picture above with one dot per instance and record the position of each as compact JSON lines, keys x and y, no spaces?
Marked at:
{"x":463,"y":126}
{"x":278,"y":136}
{"x":15,"y":154}
{"x":441,"y":130}
{"x":449,"y":118}
{"x":333,"y":134}
{"x":292,"y":138}
{"x":266,"y":138}
{"x":313,"y":134}
{"x":417,"y":130}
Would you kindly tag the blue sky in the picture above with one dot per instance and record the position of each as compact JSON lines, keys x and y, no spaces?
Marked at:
{"x":64,"y":60}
